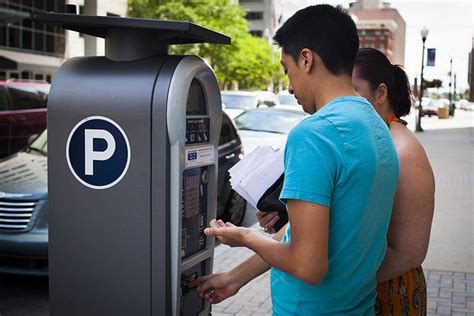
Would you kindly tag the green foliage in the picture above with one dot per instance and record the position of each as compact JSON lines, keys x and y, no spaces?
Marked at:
{"x":247,"y":60}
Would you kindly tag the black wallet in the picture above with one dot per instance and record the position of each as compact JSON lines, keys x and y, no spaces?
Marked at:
{"x":270,"y":202}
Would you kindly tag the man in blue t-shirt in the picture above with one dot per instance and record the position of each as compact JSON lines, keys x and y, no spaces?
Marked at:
{"x":341,"y":172}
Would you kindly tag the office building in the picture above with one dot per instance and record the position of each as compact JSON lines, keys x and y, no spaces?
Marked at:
{"x":380,"y":26}
{"x":33,"y":51}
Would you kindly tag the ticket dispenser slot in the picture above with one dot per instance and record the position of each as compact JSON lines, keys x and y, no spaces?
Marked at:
{"x":131,"y":245}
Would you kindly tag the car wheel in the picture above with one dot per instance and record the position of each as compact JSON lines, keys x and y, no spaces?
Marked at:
{"x":235,"y":212}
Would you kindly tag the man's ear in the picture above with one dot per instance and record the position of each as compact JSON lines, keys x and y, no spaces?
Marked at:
{"x":381,"y":94}
{"x":307,"y":59}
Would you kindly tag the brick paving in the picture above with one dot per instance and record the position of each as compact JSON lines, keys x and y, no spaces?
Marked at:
{"x":449,"y":293}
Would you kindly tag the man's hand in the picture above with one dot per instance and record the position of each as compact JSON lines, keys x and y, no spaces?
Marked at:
{"x":267,"y":220}
{"x":216,"y":287}
{"x":228,"y":233}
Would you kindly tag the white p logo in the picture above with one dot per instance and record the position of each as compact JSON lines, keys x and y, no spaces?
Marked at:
{"x":90,"y":155}
{"x":98,"y":152}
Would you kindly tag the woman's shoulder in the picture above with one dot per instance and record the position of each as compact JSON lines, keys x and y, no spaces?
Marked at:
{"x":406,"y":143}
{"x":414,"y":162}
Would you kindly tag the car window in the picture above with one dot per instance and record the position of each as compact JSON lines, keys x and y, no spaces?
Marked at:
{"x":244,"y":102}
{"x":3,"y":99}
{"x":280,"y":122}
{"x":287,"y":99}
{"x":228,"y":132}
{"x":26,"y":97}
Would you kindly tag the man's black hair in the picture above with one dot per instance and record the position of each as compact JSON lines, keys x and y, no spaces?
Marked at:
{"x":328,"y":31}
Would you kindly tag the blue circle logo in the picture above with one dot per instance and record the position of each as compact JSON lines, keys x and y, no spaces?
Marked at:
{"x":98,"y":152}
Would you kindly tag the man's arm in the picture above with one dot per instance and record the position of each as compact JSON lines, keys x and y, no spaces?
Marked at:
{"x":306,"y":255}
{"x":253,"y":266}
{"x":217,"y":287}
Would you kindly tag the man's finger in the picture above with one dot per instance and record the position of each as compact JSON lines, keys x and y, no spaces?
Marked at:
{"x":198,"y":281}
{"x":213,"y":223}
{"x":272,"y":223}
{"x":270,"y":217}
{"x":206,"y":286}
{"x":211,"y":231}
{"x":267,"y":218}
{"x":260,"y":214}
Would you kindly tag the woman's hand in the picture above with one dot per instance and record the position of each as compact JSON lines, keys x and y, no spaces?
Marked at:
{"x":267,"y":220}
{"x":228,"y":233}
{"x":216,"y":287}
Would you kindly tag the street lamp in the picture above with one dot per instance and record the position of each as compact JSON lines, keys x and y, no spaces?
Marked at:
{"x":424,"y":34}
{"x":451,"y":105}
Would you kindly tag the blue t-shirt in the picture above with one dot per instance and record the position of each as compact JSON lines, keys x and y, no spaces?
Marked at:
{"x":342,"y":157}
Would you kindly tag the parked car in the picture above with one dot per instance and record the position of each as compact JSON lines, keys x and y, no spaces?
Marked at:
{"x":465,"y":105}
{"x":267,"y":126}
{"x":469,"y":106}
{"x":286,"y":98}
{"x":22,"y":113}
{"x":239,"y":101}
{"x":431,"y":107}
{"x":24,"y":201}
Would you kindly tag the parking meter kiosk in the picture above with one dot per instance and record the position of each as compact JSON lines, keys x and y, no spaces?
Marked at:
{"x":133,"y":142}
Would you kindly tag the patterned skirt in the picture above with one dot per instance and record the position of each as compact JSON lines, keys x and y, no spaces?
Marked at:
{"x":404,"y":295}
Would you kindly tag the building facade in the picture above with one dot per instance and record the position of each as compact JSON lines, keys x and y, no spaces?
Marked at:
{"x":263,"y":16}
{"x":470,"y":73}
{"x":34,"y":51}
{"x":381,"y":27}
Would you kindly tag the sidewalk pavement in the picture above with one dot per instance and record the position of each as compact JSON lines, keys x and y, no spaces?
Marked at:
{"x":449,"y":266}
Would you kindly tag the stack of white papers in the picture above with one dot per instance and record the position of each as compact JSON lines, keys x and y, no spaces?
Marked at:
{"x":254,"y":174}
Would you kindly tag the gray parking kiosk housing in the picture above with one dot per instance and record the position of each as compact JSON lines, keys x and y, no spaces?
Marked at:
{"x":133,"y":139}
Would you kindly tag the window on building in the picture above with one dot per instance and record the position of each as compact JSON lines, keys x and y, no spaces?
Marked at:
{"x":3,"y":35}
{"x":256,"y":33}
{"x":370,"y":33}
{"x":25,"y":75}
{"x":254,"y":15}
{"x":33,"y":37}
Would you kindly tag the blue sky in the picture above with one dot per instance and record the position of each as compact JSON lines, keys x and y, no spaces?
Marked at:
{"x":450,"y":24}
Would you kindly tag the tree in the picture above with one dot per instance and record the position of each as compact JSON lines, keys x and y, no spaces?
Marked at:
{"x":246,"y":60}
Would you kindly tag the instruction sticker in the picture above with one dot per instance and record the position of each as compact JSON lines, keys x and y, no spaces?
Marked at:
{"x":199,"y":156}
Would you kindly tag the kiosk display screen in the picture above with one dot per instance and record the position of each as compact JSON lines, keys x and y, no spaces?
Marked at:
{"x":197,"y":130}
{"x":196,"y":103}
{"x":194,"y":211}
